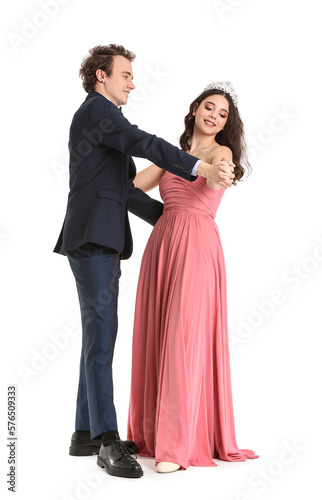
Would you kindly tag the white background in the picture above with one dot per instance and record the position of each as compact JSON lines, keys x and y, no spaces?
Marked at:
{"x":270,"y":227}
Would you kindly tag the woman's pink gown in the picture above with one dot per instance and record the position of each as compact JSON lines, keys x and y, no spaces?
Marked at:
{"x":181,"y":407}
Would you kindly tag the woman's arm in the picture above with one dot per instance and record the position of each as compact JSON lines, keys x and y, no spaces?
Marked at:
{"x":148,"y":178}
{"x":224,"y":154}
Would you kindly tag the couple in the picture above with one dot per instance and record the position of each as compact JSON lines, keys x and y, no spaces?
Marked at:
{"x":181,"y":406}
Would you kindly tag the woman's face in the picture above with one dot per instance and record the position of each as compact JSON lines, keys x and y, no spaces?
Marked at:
{"x":211,"y":115}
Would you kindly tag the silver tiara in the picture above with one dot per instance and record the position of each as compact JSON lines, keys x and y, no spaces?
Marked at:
{"x":226,"y":86}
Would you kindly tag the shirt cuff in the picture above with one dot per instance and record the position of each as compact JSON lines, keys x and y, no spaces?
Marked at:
{"x":193,"y":171}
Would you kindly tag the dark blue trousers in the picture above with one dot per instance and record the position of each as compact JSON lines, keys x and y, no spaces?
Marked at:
{"x":97,"y":272}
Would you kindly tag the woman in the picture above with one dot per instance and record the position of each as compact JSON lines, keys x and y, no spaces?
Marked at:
{"x":181,"y":408}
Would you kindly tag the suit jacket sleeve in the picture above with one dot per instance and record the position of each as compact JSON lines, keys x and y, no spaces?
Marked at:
{"x":115,"y":131}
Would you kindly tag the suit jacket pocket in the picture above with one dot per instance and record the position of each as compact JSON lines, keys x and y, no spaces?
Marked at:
{"x":111,"y":195}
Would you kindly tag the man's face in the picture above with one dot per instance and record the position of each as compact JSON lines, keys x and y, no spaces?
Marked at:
{"x":118,"y":86}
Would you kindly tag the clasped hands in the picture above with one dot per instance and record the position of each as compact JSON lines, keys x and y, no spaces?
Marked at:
{"x":221,"y":173}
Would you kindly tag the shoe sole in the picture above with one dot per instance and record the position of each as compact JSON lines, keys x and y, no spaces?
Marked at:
{"x":134,"y":474}
{"x":77,"y":451}
{"x":83,"y":452}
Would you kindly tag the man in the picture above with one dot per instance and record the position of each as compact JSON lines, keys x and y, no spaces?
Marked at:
{"x":96,"y":235}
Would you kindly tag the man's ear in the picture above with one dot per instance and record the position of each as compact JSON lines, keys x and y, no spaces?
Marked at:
{"x":100,"y":75}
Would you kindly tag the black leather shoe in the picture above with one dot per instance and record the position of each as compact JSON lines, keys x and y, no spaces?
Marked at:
{"x":115,"y":458}
{"x":82,"y":445}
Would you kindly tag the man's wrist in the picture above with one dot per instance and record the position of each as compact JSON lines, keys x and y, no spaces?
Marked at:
{"x":202,"y":169}
{"x":194,"y":170}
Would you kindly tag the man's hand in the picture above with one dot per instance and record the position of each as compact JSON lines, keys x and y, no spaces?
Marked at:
{"x":221,"y":173}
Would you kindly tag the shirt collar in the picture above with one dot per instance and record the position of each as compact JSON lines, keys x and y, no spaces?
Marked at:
{"x":119,"y":107}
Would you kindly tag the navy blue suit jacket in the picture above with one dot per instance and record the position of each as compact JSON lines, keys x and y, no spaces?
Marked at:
{"x":101,"y":145}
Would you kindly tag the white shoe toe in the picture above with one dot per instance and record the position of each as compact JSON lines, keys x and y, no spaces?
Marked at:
{"x":165,"y":467}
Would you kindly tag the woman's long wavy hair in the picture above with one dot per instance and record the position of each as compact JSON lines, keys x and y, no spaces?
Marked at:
{"x":232,"y":136}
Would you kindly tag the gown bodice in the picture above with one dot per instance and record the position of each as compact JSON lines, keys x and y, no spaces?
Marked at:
{"x":195,"y":197}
